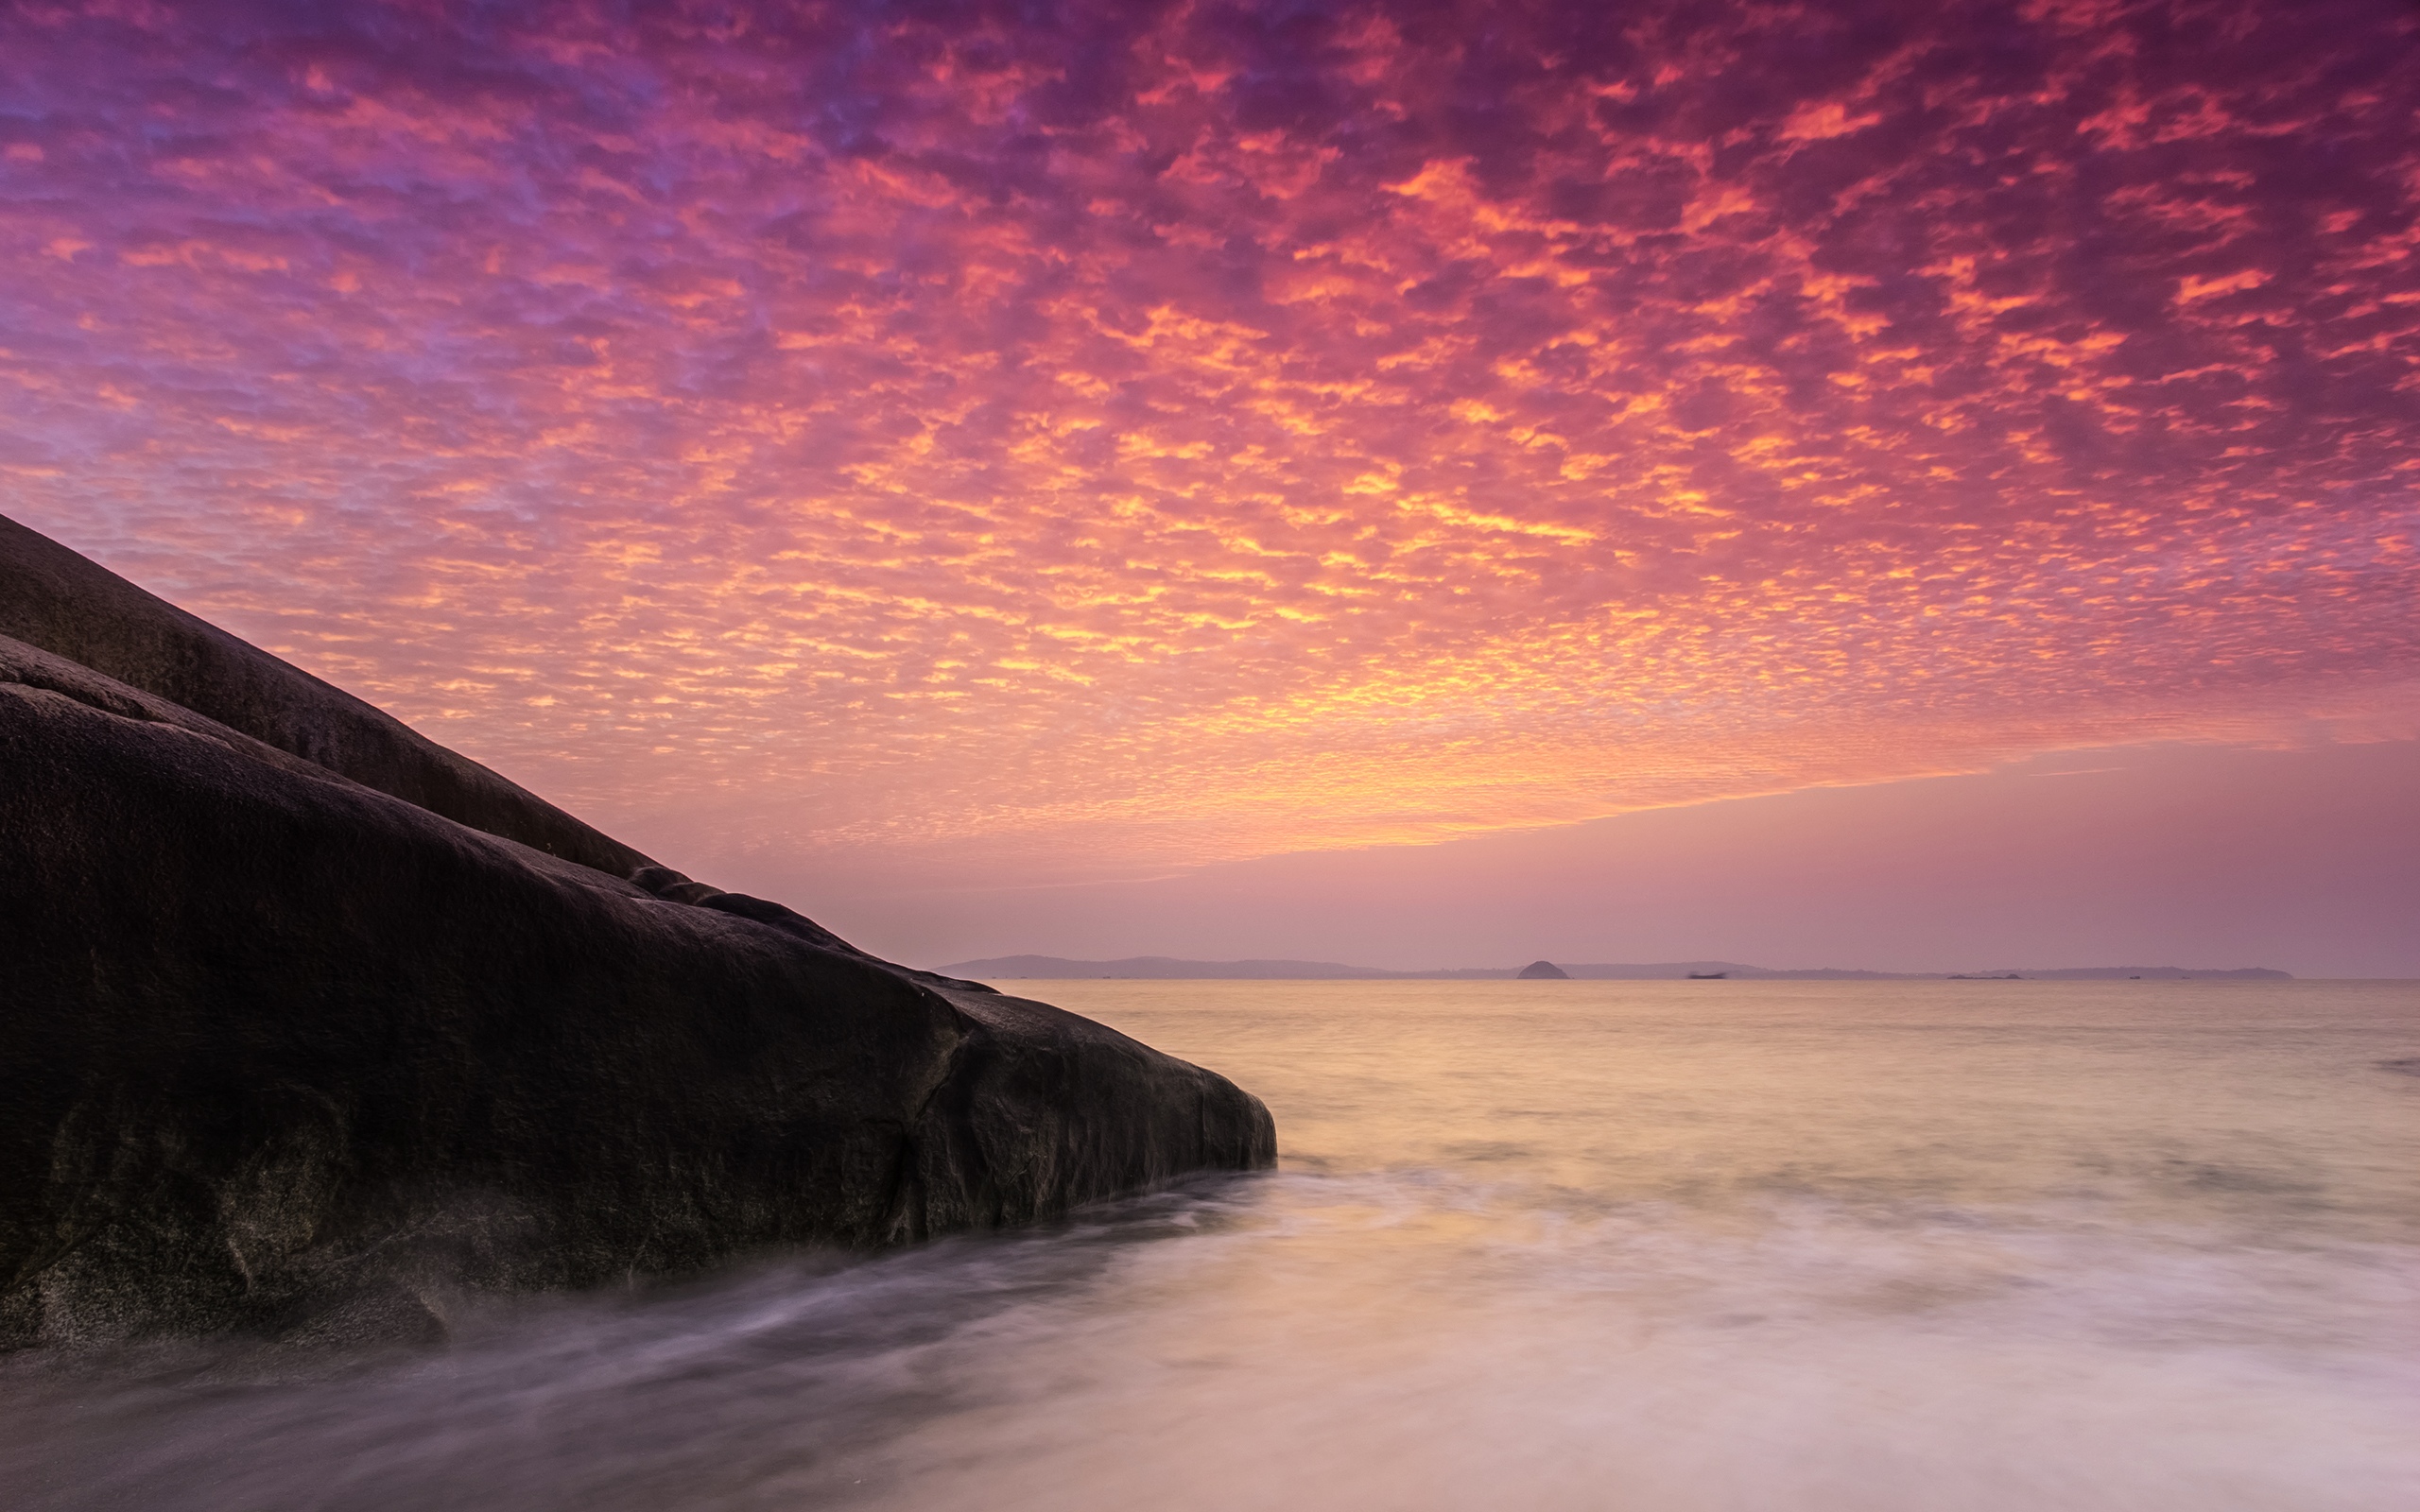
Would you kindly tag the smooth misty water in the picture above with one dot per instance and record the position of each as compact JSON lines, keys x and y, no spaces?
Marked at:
{"x":1662,"y":1246}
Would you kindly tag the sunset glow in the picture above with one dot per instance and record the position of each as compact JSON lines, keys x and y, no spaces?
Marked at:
{"x":1108,"y":439}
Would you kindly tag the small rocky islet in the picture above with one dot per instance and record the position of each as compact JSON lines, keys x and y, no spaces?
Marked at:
{"x":309,"y":1025}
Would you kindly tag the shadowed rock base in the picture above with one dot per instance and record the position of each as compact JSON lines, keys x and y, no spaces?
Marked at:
{"x":282,"y":1052}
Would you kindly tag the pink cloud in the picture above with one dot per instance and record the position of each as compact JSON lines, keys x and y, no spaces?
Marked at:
{"x":1144,"y":436}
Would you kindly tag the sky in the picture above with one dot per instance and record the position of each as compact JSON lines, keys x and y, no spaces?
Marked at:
{"x":1422,"y":485}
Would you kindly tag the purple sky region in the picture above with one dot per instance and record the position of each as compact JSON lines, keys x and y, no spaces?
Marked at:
{"x":1057,"y":477}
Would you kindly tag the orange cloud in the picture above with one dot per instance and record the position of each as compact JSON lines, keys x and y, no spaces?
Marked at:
{"x":1133,"y":437}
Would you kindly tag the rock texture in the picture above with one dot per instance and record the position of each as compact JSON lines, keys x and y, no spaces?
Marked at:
{"x":1543,"y":971}
{"x":282,"y":1051}
{"x":53,"y":598}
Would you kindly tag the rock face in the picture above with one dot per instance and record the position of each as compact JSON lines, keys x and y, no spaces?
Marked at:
{"x":1542,"y":972}
{"x":53,"y":598}
{"x":281,"y":1050}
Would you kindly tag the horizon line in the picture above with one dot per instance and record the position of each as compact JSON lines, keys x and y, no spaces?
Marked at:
{"x":1036,"y":967}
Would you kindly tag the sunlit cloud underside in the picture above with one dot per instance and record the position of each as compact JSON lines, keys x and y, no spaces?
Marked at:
{"x":1128,"y":436}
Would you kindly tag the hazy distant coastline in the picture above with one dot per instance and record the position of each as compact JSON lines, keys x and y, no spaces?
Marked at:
{"x":1164,"y":968}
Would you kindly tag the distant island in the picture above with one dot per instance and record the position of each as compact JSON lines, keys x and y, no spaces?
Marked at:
{"x":1169,"y":968}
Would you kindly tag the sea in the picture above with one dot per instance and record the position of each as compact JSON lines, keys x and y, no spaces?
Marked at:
{"x":1605,"y":1246}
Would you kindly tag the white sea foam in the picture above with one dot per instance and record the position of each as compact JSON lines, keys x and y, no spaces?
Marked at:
{"x":1792,"y":1247}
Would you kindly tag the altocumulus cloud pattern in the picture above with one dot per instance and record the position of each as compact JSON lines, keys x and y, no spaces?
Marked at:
{"x":1152,"y":432}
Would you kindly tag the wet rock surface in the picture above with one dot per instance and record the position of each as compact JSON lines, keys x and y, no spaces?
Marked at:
{"x":280,"y":1051}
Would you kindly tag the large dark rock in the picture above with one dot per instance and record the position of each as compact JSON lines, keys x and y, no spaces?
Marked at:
{"x":282,"y":1051}
{"x":55,"y":599}
{"x":1542,"y":972}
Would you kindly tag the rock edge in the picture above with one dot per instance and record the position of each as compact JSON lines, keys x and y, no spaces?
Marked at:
{"x":283,"y":1050}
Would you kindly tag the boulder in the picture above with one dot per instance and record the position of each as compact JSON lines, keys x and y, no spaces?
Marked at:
{"x":282,"y":1051}
{"x":1542,"y":972}
{"x":53,"y":598}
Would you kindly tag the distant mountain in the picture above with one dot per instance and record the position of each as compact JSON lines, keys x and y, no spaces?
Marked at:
{"x":2148,"y":974}
{"x":1169,"y":968}
{"x":1668,"y":971}
{"x":1163,"y":967}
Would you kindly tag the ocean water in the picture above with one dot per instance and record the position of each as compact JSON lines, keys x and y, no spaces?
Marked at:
{"x":1713,"y":1247}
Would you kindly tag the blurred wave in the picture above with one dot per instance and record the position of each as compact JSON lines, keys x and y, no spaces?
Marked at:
{"x":1804,"y":1245}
